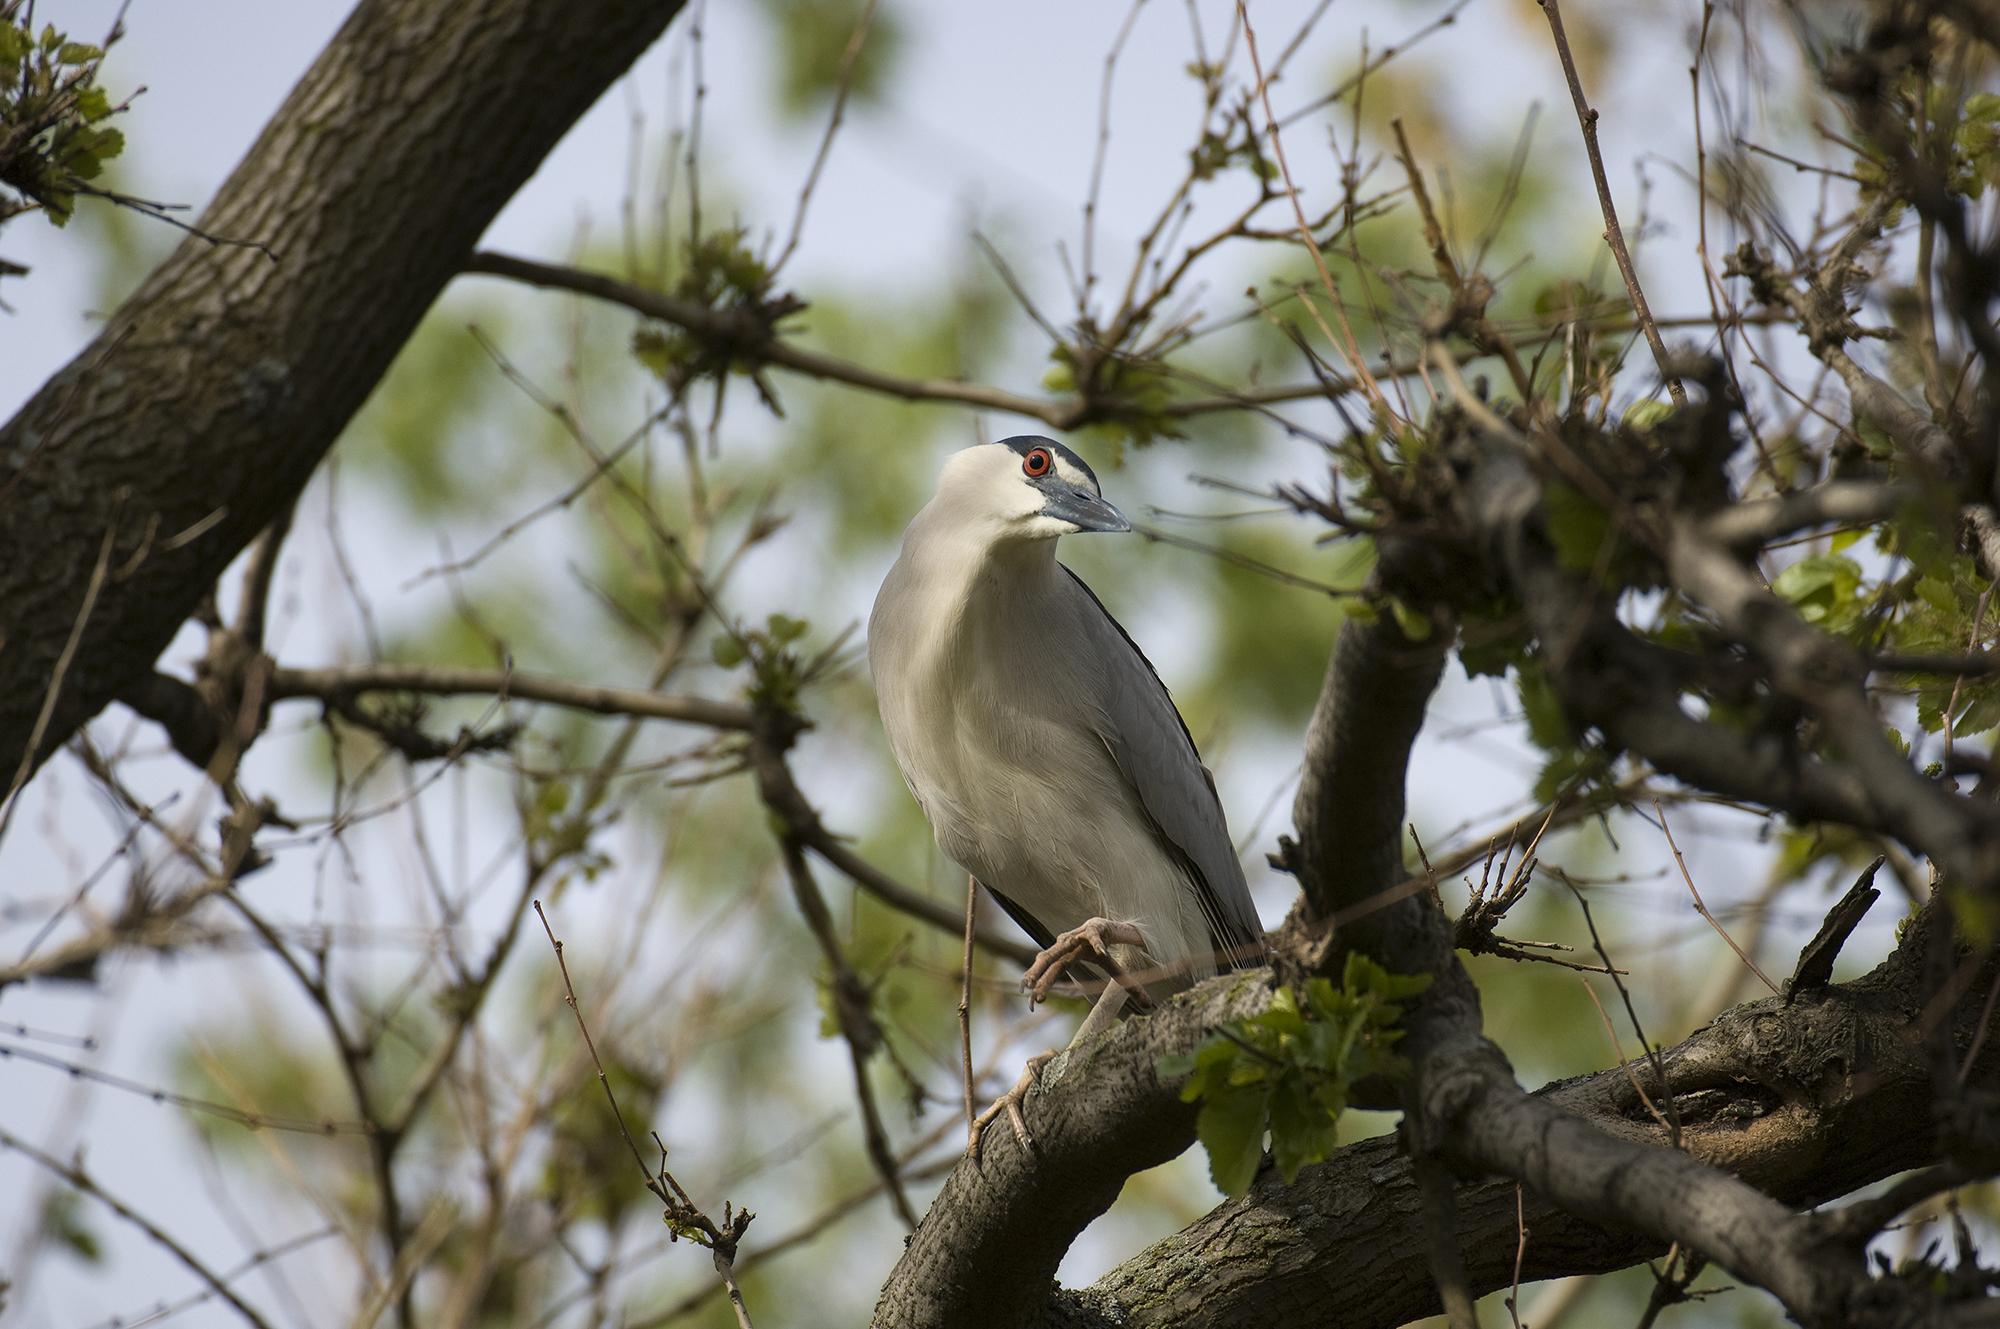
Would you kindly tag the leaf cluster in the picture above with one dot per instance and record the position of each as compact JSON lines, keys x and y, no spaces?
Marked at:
{"x":721,"y":273}
{"x":777,"y":674}
{"x":1288,"y":1071}
{"x":53,"y":139}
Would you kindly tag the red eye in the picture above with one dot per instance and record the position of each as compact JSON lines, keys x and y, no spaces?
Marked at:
{"x":1037,"y":463}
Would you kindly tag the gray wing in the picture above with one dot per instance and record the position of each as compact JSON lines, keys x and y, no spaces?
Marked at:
{"x":1156,"y":754}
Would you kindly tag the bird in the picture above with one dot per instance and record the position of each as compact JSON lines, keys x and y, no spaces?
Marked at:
{"x":1044,"y":751}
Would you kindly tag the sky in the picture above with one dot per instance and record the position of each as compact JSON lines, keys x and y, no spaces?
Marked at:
{"x":993,"y":124}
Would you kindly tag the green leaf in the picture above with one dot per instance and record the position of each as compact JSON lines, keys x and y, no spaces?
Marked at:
{"x":1288,"y":1069}
{"x":78,"y":53}
{"x":727,"y":652}
{"x":63,"y":1225}
{"x":1577,"y":527}
{"x":1822,"y":587}
{"x":1230,"y":1127}
{"x":1548,"y":727}
{"x":1643,"y":415}
{"x":1303,"y":1129}
{"x":810,"y":46}
{"x":1938,"y":594}
{"x":1982,"y":715}
{"x":1413,"y":623}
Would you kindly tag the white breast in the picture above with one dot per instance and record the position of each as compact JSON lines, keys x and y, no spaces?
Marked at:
{"x":1017,"y":785}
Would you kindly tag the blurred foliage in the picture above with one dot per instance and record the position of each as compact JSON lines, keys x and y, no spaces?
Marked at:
{"x":64,"y":1226}
{"x":812,"y":41}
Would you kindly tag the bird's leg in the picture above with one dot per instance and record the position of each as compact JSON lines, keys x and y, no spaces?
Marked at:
{"x":1010,"y":1103}
{"x":1104,"y":1014}
{"x":1093,"y":937}
{"x":1101,"y":1016}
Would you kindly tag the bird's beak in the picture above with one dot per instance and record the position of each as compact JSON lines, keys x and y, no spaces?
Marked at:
{"x":1083,"y":510}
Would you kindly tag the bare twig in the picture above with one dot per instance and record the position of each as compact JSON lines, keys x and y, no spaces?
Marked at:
{"x":850,"y":59}
{"x":255,"y":1260}
{"x":1520,"y":1254}
{"x":1702,"y":908}
{"x":683,"y":1217}
{"x":965,"y":1002}
{"x":256,"y":1121}
{"x":1586,"y":116}
{"x":858,"y":1027}
{"x":1672,"y":1118}
{"x":77,"y":1177}
{"x":1349,"y":347}
{"x":1088,"y":277}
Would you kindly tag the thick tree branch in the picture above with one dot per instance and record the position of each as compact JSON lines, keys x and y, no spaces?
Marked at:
{"x":986,"y":1252}
{"x":1807,"y":1101}
{"x":212,"y":394}
{"x":1627,"y":688}
{"x":1827,"y":676}
{"x":1349,"y":808}
{"x":1462,"y":1102}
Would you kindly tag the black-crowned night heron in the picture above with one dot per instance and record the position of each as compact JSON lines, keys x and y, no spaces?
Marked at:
{"x":1041,"y":745}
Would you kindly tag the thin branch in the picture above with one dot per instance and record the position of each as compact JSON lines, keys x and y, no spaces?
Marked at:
{"x":1088,"y":277}
{"x":965,"y":1003}
{"x":858,"y":1027}
{"x":755,"y":340}
{"x":255,"y":1260}
{"x":1520,"y":1254}
{"x":77,"y":1177}
{"x":448,"y":680}
{"x":1346,"y":341}
{"x":1702,"y":909}
{"x":1671,"y":1120}
{"x":603,"y":1080}
{"x":850,"y":59}
{"x":1614,"y":235}
{"x":683,"y":1217}
{"x":256,"y":1121}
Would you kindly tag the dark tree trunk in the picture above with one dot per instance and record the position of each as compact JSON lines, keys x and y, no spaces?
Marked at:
{"x":146,"y":464}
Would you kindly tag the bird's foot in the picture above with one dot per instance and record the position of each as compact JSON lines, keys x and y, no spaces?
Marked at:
{"x":1010,"y":1103}
{"x":1094,"y":937}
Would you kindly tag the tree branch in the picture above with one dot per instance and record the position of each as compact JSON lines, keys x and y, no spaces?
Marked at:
{"x":1769,"y":1091}
{"x":450,"y":681}
{"x":212,"y":394}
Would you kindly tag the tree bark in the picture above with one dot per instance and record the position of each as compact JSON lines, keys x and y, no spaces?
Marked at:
{"x":1806,"y":1100}
{"x":214,"y":391}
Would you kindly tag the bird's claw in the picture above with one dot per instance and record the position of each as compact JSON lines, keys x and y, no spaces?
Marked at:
{"x":1093,"y":937}
{"x":1010,"y":1103}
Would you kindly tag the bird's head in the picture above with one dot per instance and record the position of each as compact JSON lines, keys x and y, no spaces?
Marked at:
{"x":1026,"y":488}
